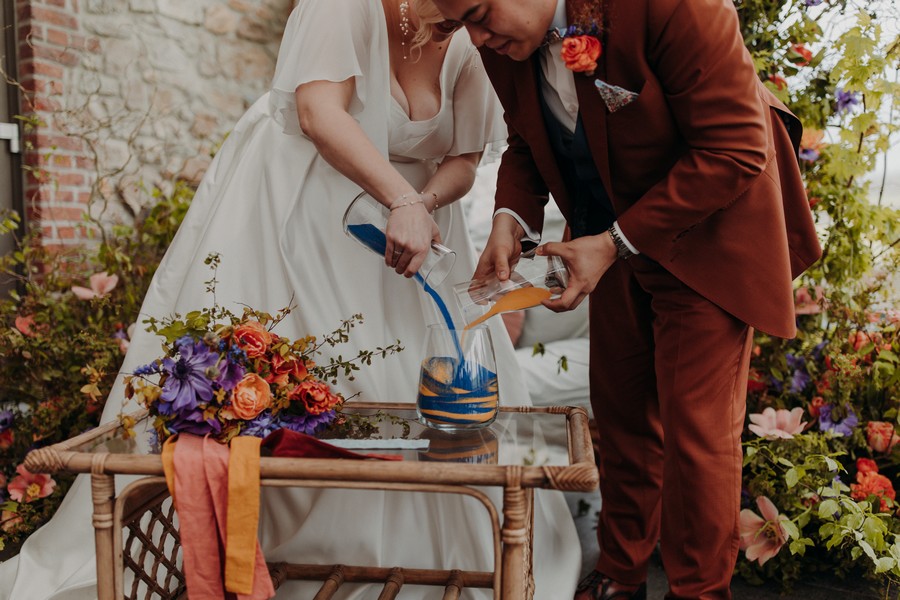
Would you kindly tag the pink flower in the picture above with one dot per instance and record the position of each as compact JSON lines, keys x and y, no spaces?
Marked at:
{"x":881,"y":436}
{"x":101,"y":285}
{"x":858,"y":339}
{"x":28,"y":486}
{"x":806,"y":303}
{"x":25,"y":325}
{"x":762,"y":537}
{"x":774,"y":424}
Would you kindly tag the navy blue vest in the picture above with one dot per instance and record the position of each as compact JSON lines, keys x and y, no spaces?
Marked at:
{"x":592,"y":211}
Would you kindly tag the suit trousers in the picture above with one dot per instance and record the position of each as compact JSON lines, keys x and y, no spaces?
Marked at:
{"x":668,"y":389}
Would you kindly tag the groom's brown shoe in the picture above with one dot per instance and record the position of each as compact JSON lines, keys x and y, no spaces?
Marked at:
{"x":597,"y":586}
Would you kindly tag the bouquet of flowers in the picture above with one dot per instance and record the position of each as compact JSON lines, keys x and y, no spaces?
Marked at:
{"x":226,"y":375}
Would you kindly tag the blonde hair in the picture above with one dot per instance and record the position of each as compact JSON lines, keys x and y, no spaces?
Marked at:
{"x":428,"y":14}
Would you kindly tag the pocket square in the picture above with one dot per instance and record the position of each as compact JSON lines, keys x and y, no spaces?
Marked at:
{"x":615,"y":97}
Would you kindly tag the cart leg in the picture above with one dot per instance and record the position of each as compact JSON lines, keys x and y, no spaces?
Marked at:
{"x":515,"y":536}
{"x":103,"y":492}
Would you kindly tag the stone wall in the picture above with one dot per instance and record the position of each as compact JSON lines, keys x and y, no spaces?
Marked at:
{"x":126,"y":95}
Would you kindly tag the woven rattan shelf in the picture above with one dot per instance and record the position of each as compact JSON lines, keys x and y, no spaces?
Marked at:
{"x":138,"y":548}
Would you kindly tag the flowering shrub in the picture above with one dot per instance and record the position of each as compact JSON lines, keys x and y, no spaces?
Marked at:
{"x":62,"y":339}
{"x":831,"y":476}
{"x":821,"y":463}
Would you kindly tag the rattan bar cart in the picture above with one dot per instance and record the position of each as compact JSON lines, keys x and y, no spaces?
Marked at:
{"x":136,"y":532}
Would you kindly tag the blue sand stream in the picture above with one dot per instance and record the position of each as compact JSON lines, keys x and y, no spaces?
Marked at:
{"x":452,"y":391}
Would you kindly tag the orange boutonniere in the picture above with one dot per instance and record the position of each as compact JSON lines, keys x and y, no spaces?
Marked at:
{"x":580,"y":53}
{"x":581,"y":46}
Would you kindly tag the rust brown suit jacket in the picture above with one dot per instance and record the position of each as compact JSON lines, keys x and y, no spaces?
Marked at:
{"x":701,"y":168}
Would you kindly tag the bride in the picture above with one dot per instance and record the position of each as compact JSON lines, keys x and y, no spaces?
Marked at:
{"x":371,"y":94}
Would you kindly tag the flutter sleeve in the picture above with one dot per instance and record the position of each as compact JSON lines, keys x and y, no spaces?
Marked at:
{"x":324,"y":40}
{"x":477,"y":115}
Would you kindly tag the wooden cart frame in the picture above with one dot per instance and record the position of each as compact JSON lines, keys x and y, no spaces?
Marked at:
{"x":136,"y":531}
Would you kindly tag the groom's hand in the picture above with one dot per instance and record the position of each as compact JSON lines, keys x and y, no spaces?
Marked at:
{"x":502,"y":247}
{"x":587,"y":259}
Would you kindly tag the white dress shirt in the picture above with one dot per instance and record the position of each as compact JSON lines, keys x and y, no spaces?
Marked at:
{"x":558,"y":89}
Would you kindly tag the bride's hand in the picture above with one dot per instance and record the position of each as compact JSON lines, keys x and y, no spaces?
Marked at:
{"x":410,"y":231}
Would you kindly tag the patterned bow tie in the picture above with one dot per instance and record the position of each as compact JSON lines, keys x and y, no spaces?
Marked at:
{"x":558,"y":34}
{"x":553,"y":35}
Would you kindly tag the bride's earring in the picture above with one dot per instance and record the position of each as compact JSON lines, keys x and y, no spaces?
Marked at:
{"x":404,"y":27}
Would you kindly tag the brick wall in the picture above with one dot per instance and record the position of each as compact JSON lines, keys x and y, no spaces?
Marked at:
{"x":121,"y":96}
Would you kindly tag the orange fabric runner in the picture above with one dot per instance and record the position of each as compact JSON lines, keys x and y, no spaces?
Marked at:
{"x":216,"y":494}
{"x":200,"y":468}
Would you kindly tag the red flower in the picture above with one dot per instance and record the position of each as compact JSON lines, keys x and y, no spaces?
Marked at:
{"x":580,"y":53}
{"x":799,"y":54}
{"x":814,"y":405}
{"x":755,"y":382}
{"x":316,"y":396}
{"x":866,"y":465}
{"x":7,"y":437}
{"x":285,"y":370}
{"x":873,"y":484}
{"x":778,"y":81}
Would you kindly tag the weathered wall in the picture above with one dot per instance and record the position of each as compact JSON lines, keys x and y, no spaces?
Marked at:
{"x":125,"y":95}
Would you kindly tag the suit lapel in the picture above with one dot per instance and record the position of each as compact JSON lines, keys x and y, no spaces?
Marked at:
{"x":530,"y":115}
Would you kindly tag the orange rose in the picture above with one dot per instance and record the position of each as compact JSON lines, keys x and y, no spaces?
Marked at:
{"x":253,"y":338}
{"x":315,"y":396}
{"x":580,"y":53}
{"x":250,"y":397}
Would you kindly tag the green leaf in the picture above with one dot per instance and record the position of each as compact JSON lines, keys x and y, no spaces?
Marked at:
{"x":885,"y":564}
{"x":791,"y":528}
{"x":828,"y":508}
{"x":792,"y":477}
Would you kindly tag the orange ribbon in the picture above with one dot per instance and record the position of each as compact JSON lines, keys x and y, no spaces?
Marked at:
{"x":216,"y":494}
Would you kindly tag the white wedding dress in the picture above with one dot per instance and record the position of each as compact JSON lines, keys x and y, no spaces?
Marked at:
{"x":272,"y":207}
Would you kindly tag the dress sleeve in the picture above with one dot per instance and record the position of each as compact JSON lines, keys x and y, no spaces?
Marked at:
{"x":477,"y":115}
{"x":324,"y":40}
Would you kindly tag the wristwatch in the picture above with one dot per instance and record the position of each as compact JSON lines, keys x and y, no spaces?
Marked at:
{"x":621,"y":249}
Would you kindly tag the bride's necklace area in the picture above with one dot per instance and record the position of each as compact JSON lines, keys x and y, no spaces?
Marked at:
{"x":404,"y":28}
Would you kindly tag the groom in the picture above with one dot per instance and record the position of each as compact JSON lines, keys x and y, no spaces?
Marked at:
{"x":677,"y":172}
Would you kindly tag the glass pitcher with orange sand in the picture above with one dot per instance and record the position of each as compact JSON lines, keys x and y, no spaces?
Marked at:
{"x":533,"y":279}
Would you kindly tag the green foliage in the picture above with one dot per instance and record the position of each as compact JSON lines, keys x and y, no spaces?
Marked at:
{"x":842,"y":370}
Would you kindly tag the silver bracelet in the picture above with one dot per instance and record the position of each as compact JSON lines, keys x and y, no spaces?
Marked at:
{"x":621,"y":249}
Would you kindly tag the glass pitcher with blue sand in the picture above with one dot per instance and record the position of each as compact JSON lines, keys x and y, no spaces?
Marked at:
{"x":365,"y":221}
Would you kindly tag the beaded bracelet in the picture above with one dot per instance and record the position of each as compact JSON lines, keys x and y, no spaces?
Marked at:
{"x":418,"y":200}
